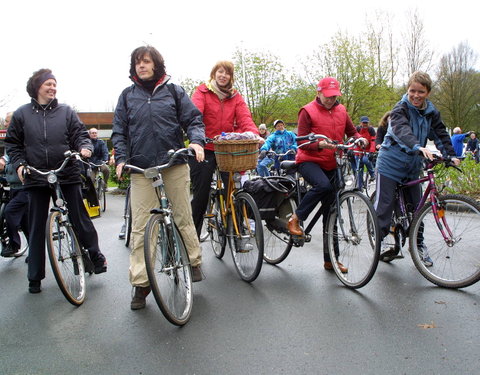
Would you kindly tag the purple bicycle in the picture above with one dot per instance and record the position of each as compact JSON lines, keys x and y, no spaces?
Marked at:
{"x":443,"y":231}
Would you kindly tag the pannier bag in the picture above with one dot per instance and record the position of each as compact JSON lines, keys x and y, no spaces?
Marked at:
{"x":269,"y":193}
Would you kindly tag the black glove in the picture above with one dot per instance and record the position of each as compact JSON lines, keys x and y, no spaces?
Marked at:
{"x":262,"y":155}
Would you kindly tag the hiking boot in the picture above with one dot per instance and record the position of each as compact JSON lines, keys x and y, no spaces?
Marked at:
{"x":8,"y":251}
{"x":197,"y":274}
{"x":294,"y":226}
{"x":34,"y":286}
{"x":424,"y":256}
{"x":139,"y":296}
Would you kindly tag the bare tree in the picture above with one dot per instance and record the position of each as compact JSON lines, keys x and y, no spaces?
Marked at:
{"x":417,"y":52}
{"x":458,"y":87}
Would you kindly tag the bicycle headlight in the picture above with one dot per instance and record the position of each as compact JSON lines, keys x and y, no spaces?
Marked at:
{"x":52,"y":178}
{"x":150,"y":172}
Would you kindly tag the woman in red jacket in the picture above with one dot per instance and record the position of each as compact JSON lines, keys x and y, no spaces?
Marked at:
{"x":224,"y":110}
{"x":316,"y":161}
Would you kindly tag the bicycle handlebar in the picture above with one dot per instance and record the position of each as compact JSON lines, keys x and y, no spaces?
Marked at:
{"x":152,"y":172}
{"x":349,"y":143}
{"x":68,"y":155}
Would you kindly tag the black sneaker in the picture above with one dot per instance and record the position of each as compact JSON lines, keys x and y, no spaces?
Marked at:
{"x":34,"y":286}
{"x":8,"y":251}
{"x":99,"y":264}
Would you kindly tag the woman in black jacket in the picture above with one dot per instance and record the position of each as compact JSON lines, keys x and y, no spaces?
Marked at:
{"x":150,"y":119}
{"x":39,"y":135}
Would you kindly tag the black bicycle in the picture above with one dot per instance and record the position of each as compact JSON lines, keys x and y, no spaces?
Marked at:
{"x":68,"y":259}
{"x":353,"y":235}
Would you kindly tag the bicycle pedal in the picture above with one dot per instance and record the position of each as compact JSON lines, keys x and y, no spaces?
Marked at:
{"x":298,"y":241}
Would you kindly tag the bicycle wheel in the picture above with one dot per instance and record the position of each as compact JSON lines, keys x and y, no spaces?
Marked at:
{"x":354,"y":239}
{"x":247,"y":245}
{"x":205,"y":233}
{"x":102,"y":197}
{"x":278,"y":242}
{"x":4,"y":240}
{"x":168,"y":269}
{"x":455,"y":262}
{"x":127,"y":217}
{"x":215,"y":227}
{"x":65,"y":258}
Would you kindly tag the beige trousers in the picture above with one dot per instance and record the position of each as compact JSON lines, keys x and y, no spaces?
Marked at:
{"x":143,"y":199}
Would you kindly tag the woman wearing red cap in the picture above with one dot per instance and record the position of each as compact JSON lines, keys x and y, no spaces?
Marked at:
{"x":39,"y":134}
{"x":324,"y":115}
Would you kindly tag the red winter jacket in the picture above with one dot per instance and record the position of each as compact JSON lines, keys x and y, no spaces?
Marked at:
{"x":229,"y":115}
{"x":333,"y":123}
{"x":369,"y":134}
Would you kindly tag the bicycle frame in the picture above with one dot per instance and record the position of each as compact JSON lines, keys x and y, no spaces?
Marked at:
{"x":431,"y":192}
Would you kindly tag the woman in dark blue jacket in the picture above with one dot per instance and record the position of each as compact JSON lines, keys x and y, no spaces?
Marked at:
{"x":150,"y":119}
{"x":39,"y":134}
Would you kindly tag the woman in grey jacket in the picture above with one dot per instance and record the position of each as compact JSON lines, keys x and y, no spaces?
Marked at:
{"x":39,"y":134}
{"x":150,"y":119}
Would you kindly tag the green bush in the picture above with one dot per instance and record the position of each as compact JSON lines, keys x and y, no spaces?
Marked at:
{"x":465,"y":182}
{"x":124,"y":182}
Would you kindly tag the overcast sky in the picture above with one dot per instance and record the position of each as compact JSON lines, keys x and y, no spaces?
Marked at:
{"x":88,"y":43}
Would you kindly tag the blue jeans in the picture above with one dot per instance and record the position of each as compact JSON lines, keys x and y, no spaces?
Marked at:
{"x":363,"y":161}
{"x":262,"y":166}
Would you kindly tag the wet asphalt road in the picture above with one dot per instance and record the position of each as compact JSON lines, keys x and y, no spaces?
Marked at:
{"x":295,"y":318}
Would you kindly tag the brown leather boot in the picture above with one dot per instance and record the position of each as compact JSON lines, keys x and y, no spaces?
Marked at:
{"x":138,"y":299}
{"x":294,"y":226}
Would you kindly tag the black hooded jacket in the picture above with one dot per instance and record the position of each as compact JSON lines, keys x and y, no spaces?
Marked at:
{"x":146,"y":126}
{"x":39,"y":136}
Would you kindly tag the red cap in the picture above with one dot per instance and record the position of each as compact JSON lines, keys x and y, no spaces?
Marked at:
{"x":329,"y":87}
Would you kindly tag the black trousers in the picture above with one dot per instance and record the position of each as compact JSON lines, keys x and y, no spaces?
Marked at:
{"x":385,"y":200}
{"x":38,"y":215}
{"x":16,"y":216}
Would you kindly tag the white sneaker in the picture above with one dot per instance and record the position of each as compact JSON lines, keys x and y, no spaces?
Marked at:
{"x":423,"y":252}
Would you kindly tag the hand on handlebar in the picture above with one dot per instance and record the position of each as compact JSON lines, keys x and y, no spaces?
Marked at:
{"x":199,"y":153}
{"x":119,"y":170}
{"x":362,"y":142}
{"x":326,"y":144}
{"x":85,"y":153}
{"x":426,"y":153}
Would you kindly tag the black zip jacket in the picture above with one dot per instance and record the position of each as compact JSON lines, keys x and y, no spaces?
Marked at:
{"x":39,"y":137}
{"x":146,"y":127}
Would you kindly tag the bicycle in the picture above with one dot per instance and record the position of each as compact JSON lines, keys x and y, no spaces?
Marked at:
{"x":443,"y":232}
{"x":127,"y":219}
{"x":166,"y":259}
{"x":4,"y":239}
{"x":353,"y":235}
{"x":100,"y":185}
{"x":361,"y":180}
{"x":68,"y":259}
{"x":273,"y":156}
{"x":233,"y":215}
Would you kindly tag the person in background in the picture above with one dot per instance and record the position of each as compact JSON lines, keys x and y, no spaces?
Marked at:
{"x":16,"y":216}
{"x":413,"y":119}
{"x":457,"y":141}
{"x":100,"y":153}
{"x":367,"y":132}
{"x":39,"y":135}
{"x":224,"y":110}
{"x":263,"y":131}
{"x":280,"y":142}
{"x":316,"y":161}
{"x":150,"y":119}
{"x":382,"y":129}
{"x":472,"y":146}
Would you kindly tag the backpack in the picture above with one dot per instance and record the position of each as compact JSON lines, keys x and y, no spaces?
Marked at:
{"x":269,"y":193}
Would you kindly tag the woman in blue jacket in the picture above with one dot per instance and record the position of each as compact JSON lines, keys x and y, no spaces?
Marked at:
{"x":413,"y":119}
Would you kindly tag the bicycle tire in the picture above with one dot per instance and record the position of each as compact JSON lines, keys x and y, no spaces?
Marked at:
{"x":128,"y":219}
{"x":278,"y":241}
{"x":4,"y":239}
{"x":357,"y":246}
{"x":457,"y":264}
{"x":102,"y":197}
{"x":216,"y":227}
{"x":204,"y":232}
{"x":168,"y":270}
{"x":65,"y":258}
{"x":247,"y":246}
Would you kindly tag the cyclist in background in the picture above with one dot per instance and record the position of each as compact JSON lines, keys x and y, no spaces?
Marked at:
{"x":100,"y":153}
{"x":280,"y":141}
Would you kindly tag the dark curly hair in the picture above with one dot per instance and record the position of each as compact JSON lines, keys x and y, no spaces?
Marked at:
{"x":36,"y":80}
{"x":158,"y":62}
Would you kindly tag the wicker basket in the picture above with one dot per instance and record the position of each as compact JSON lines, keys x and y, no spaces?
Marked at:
{"x":236,"y":155}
